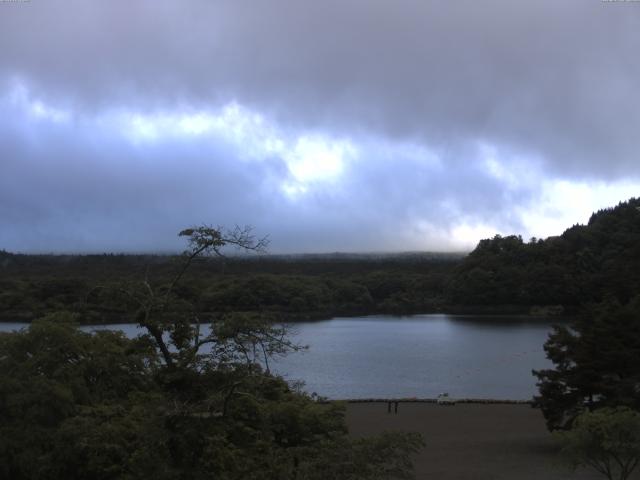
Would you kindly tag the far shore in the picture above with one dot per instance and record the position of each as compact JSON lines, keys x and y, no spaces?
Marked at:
{"x":505,"y":440}
{"x":497,"y":401}
{"x":507,"y":313}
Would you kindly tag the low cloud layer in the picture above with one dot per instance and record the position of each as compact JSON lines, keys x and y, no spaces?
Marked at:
{"x":330,"y":126}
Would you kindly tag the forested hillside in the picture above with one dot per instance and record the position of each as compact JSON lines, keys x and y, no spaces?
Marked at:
{"x":584,"y":264}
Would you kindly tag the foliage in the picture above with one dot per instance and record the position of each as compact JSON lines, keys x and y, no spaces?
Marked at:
{"x":596,"y":363}
{"x":52,"y":375}
{"x":586,"y":263}
{"x":182,"y":401}
{"x":298,"y":288}
{"x":607,"y":440}
{"x":353,"y":459}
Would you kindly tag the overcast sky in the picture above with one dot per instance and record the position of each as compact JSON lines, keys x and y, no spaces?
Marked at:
{"x":346,"y":125}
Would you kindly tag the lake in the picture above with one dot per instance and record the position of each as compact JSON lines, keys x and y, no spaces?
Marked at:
{"x":420,"y":356}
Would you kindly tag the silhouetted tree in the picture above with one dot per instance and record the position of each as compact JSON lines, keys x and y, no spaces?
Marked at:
{"x":596,"y":363}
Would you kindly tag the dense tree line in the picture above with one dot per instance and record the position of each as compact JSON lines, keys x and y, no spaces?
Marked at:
{"x":294,"y":287}
{"x":585,"y":264}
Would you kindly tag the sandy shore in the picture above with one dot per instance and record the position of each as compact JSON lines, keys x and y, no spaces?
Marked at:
{"x":471,"y":441}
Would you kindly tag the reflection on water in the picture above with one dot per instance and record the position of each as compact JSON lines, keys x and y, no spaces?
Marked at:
{"x":415,"y":356}
{"x":420,"y":356}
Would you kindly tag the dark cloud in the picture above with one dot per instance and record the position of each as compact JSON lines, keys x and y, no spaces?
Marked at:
{"x":550,"y":85}
{"x":557,"y":79}
{"x":84,"y":185}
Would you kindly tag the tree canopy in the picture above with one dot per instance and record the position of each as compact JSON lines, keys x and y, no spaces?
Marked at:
{"x":586,"y":264}
{"x":606,"y":440}
{"x":596,"y":363}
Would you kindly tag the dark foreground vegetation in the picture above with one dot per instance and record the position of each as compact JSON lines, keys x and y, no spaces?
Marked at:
{"x":100,"y":406}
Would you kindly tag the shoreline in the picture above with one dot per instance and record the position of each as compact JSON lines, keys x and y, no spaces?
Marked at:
{"x":481,"y":401}
{"x":497,"y":314}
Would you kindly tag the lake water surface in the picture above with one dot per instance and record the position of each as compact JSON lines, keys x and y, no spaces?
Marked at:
{"x":413,"y":356}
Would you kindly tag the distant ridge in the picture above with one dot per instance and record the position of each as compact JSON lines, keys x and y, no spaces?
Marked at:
{"x":232,"y":256}
{"x":413,"y":255}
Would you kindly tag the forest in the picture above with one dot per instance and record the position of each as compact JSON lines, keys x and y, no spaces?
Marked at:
{"x":503,"y":274}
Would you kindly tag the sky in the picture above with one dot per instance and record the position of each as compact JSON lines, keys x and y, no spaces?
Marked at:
{"x":334,"y":125}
